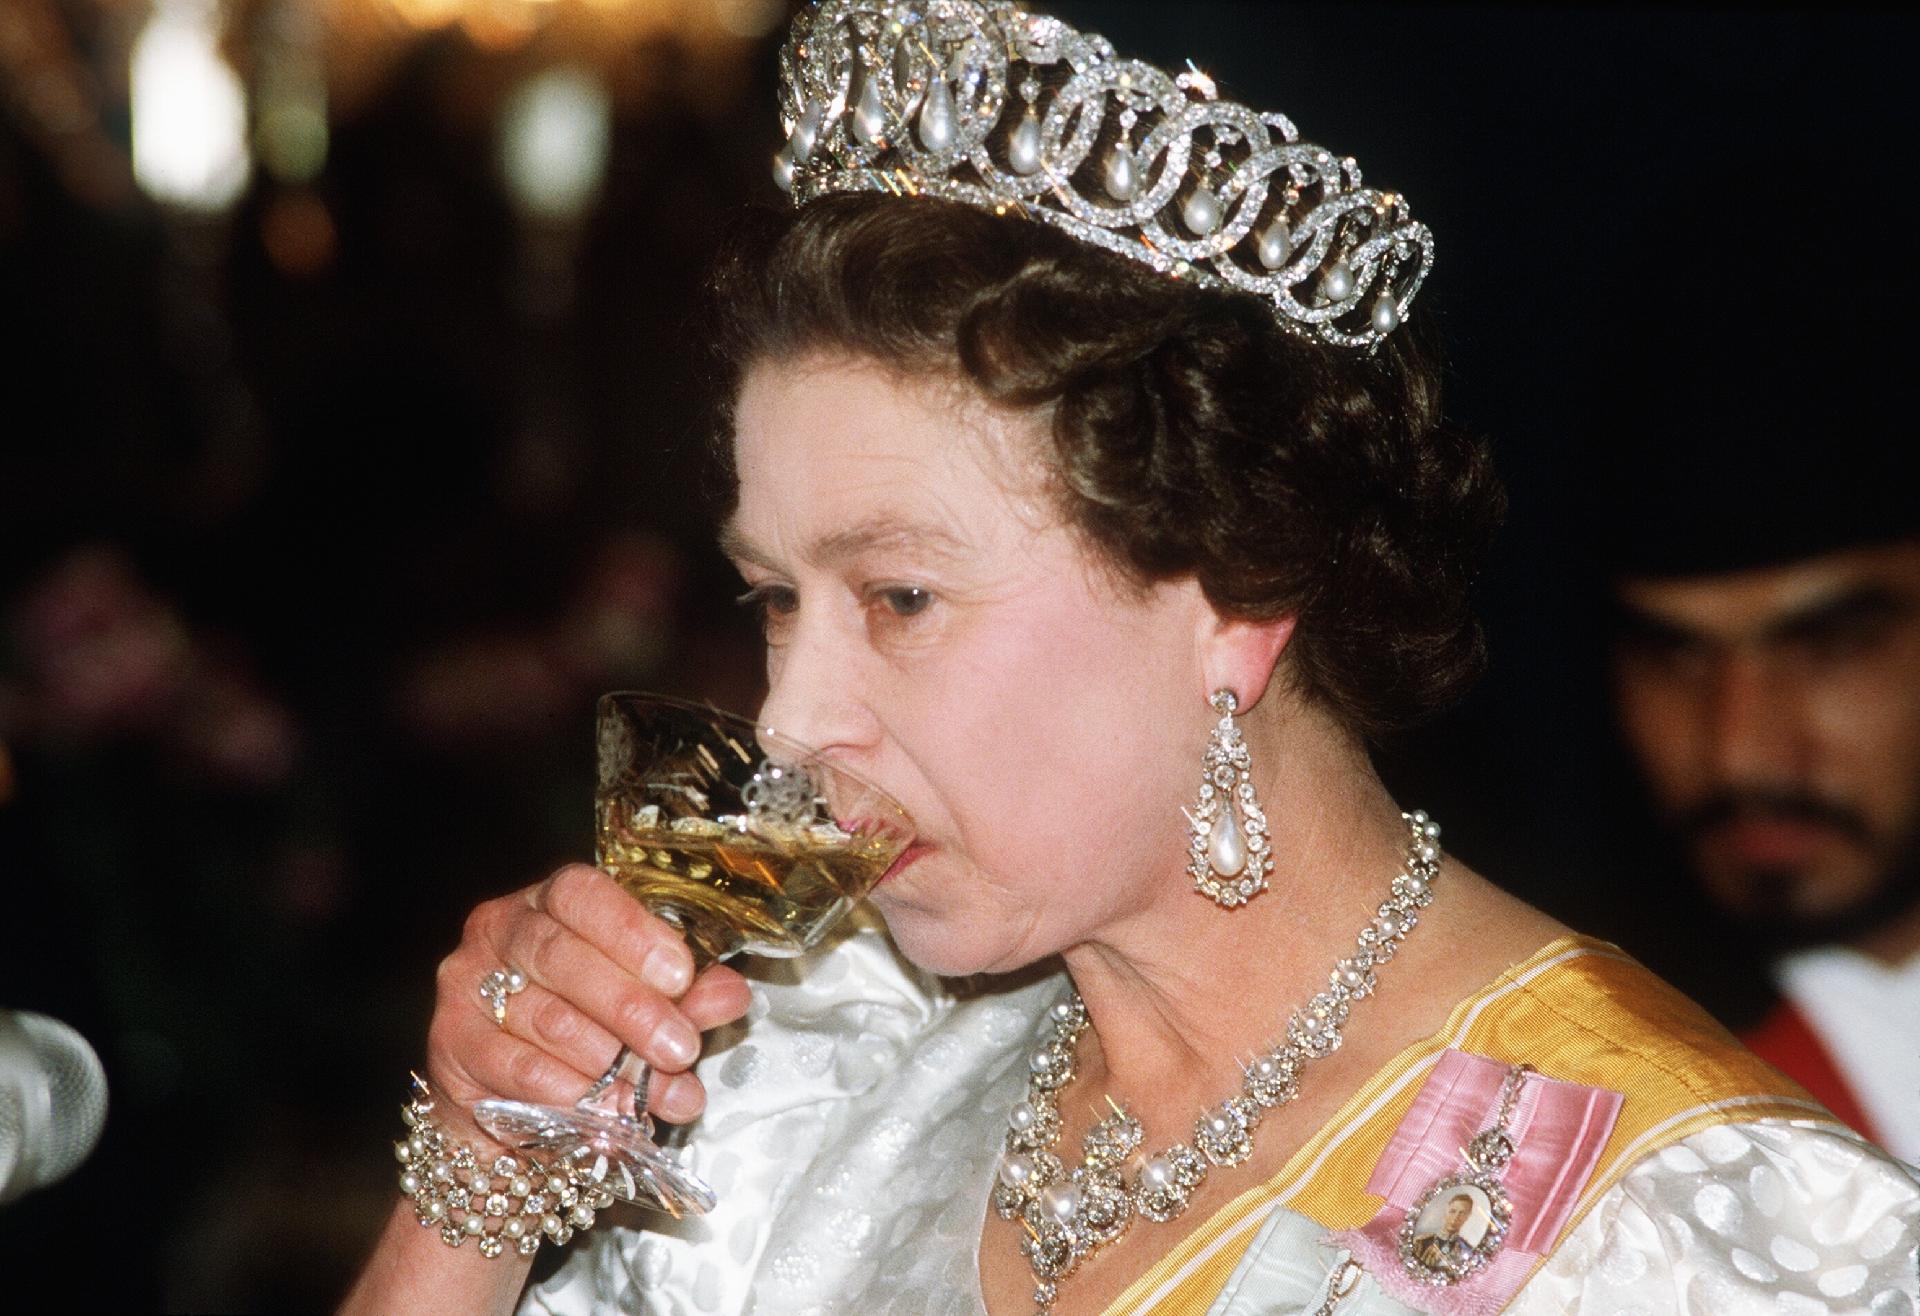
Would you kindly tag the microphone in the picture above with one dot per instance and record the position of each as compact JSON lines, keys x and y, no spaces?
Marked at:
{"x":53,"y":1102}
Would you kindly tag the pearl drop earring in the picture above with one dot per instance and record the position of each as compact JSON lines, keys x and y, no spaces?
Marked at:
{"x":1229,"y":854}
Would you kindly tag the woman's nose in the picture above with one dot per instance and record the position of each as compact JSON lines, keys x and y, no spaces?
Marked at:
{"x":814,"y":693}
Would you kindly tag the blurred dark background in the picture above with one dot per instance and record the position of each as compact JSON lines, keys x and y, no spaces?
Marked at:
{"x":348,"y":446}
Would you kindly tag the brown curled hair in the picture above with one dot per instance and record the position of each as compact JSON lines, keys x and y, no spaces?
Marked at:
{"x":1191,"y":433}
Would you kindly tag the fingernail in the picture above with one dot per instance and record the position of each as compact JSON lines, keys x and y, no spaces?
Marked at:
{"x":682,"y":1104}
{"x":667,"y":970}
{"x":676,"y":1043}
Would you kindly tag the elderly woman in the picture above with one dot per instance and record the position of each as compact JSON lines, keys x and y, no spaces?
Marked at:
{"x":1097,"y":505}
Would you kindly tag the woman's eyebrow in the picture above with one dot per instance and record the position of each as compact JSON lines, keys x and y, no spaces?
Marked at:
{"x":735,"y":545}
{"x":884,"y":532}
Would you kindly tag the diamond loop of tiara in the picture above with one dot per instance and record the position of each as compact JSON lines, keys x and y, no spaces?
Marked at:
{"x":1016,"y":112}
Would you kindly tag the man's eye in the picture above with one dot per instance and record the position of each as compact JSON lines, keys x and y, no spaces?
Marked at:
{"x":1658,"y":645}
{"x":905,"y":600}
{"x":1840,"y":638}
{"x":1665,"y":650}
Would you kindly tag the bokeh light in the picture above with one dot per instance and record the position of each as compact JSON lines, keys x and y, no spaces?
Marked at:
{"x":292,"y":130}
{"x":749,"y":18}
{"x":554,"y":132}
{"x":189,"y":110}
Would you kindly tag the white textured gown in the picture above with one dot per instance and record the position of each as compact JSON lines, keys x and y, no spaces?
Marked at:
{"x":854,"y":1129}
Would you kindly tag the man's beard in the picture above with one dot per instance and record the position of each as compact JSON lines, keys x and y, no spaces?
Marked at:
{"x":1770,"y":914}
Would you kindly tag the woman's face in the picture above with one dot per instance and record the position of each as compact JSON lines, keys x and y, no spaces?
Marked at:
{"x":931,"y":623}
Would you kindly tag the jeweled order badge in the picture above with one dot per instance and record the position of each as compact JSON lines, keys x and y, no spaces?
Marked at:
{"x":1459,"y":1223}
{"x":1480,"y":1176}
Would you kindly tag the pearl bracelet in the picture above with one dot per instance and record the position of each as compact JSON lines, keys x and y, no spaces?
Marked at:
{"x":516,"y":1204}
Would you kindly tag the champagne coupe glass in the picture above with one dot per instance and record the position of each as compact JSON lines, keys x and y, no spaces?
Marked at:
{"x":745,"y":841}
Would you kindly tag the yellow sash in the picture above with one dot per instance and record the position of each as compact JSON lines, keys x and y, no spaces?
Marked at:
{"x":1577,"y":1009}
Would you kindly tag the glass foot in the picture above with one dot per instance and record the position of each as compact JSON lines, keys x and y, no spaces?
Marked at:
{"x":619,"y":1149}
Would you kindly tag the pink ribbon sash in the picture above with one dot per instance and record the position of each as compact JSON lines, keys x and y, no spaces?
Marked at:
{"x":1558,"y":1130}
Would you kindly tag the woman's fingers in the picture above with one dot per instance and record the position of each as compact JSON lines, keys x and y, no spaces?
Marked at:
{"x":718,"y":996}
{"x":551,"y":1060}
{"x":676,"y":1098}
{"x":505,"y":1065}
{"x":596,"y":939}
{"x":601,"y":972}
{"x":593,"y":905}
{"x":469,"y":1057}
{"x":581,"y":985}
{"x":551,"y":1023}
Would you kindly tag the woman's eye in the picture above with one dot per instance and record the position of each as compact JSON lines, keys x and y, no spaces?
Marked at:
{"x":905,"y":600}
{"x":771,"y":605}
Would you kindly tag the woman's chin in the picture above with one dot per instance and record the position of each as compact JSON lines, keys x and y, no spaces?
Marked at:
{"x":918,"y":935}
{"x":941,"y":943}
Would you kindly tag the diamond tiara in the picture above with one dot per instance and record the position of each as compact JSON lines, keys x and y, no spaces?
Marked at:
{"x":1016,"y":112}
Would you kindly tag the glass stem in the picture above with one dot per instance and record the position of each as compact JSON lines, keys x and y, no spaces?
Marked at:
{"x":631,"y":1067}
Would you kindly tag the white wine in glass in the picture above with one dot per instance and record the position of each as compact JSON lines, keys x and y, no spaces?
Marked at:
{"x":745,"y":841}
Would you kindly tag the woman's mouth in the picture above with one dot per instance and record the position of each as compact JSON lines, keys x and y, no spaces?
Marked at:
{"x":913,"y":851}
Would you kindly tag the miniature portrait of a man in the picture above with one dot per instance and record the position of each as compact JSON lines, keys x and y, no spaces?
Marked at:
{"x":1449,"y":1230}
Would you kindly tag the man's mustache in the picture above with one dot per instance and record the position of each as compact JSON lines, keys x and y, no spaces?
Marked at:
{"x":1725,"y":807}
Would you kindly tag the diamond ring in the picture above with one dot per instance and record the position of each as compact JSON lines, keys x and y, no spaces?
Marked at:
{"x":497,"y":986}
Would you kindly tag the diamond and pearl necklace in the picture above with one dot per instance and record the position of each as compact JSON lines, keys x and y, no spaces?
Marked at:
{"x":1069,"y":1214}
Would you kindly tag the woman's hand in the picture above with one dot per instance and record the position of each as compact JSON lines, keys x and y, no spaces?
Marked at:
{"x":600,"y":971}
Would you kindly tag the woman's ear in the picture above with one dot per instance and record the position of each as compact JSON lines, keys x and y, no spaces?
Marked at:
{"x":1240,"y":654}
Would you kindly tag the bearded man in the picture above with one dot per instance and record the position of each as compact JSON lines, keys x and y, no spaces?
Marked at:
{"x":1764,"y":567}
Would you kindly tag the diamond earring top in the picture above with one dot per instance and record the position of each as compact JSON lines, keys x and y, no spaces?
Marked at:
{"x":913,"y":99}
